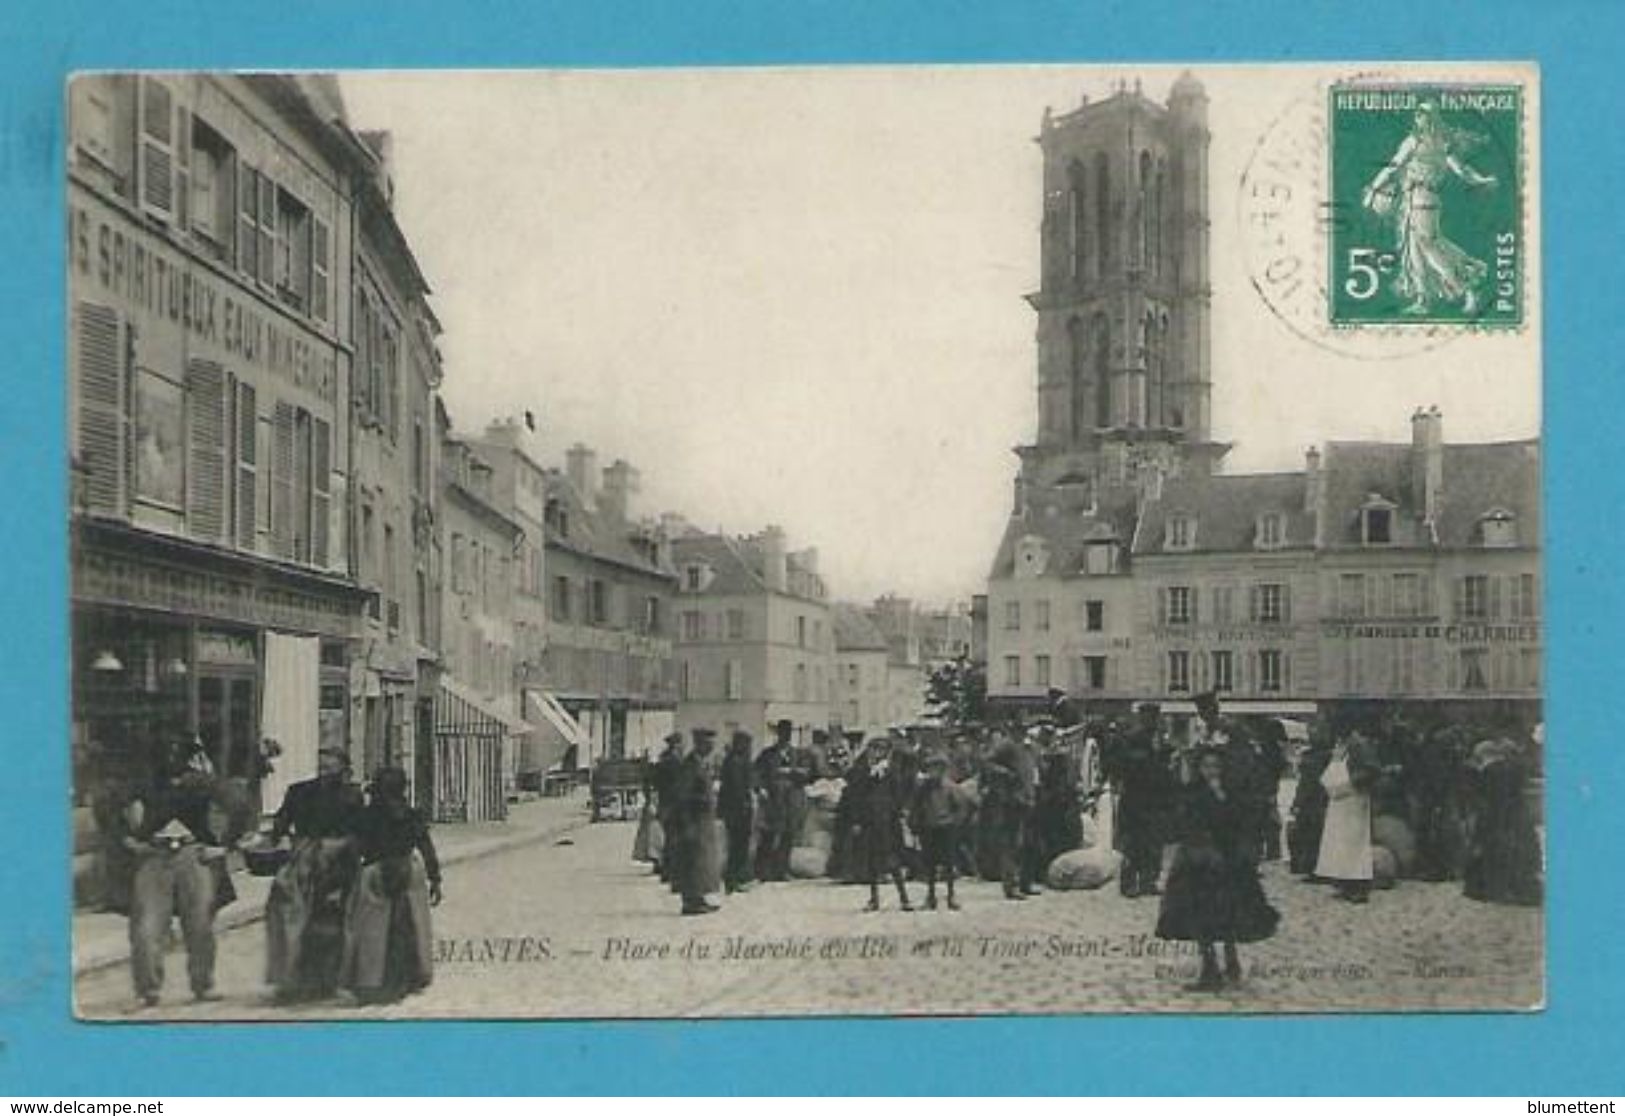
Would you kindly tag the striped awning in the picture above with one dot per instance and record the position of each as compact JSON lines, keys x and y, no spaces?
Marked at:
{"x":459,"y":711}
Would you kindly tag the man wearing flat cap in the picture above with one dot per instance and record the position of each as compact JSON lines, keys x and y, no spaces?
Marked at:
{"x":697,"y":873}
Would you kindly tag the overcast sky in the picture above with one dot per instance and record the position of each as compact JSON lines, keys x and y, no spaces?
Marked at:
{"x":794,"y":296}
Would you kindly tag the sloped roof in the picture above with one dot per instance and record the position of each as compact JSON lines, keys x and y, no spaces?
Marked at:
{"x":732,"y":571}
{"x":1478,"y":478}
{"x":1066,"y":534}
{"x":1225,"y":511}
{"x":854,"y":631}
{"x":595,"y":535}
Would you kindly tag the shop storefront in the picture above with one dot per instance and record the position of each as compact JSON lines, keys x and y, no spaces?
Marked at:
{"x":173,"y":640}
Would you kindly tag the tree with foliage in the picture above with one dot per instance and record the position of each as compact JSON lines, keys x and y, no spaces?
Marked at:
{"x":956,"y":692}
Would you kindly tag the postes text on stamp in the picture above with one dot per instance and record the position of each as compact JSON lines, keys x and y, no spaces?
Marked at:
{"x":1426,"y":205}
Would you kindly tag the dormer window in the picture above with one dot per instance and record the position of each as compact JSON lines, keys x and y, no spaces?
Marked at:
{"x":1180,"y":533}
{"x":1499,"y":527}
{"x":1271,"y":531}
{"x":1377,"y":521}
{"x":1032,"y":557}
{"x":696,"y":576}
{"x":1100,"y":558}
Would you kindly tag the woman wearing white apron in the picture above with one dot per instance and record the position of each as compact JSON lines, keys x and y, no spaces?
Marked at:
{"x":1345,"y":842}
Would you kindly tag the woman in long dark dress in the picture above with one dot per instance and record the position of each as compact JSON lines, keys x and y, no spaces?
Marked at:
{"x":305,"y":911}
{"x":879,"y":791}
{"x":1503,"y":857}
{"x":1213,"y":896}
{"x":389,"y":942}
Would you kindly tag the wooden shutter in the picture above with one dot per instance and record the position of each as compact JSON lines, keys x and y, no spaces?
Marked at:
{"x":1461,"y":598}
{"x":156,"y":143}
{"x":282,"y":480}
{"x":266,"y":249}
{"x":248,"y":207}
{"x":1252,"y":604}
{"x":1493,"y":584}
{"x":319,"y":269}
{"x":321,"y":465}
{"x":103,"y":408}
{"x":1286,"y":602}
{"x":183,"y":169}
{"x":247,"y":464}
{"x":206,"y":449}
{"x":1162,"y":607}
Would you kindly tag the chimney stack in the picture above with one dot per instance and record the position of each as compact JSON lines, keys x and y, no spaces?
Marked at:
{"x":581,"y":466}
{"x":1427,"y":463}
{"x":775,"y":562}
{"x":621,"y":483}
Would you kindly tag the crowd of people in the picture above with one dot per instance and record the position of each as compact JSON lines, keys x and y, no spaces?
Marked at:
{"x":1196,"y":809}
{"x":348,"y":910}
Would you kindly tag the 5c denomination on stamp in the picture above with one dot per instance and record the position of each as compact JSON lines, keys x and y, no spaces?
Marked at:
{"x":1426,"y":206}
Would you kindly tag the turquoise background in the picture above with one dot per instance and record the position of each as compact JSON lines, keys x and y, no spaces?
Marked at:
{"x":1571,"y":1049}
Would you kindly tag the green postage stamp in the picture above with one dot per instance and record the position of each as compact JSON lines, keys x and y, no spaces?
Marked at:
{"x":1426,"y":205}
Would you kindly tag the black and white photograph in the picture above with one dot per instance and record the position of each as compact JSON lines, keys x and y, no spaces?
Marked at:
{"x":805,"y":541}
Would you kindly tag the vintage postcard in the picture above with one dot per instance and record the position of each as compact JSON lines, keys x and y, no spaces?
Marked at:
{"x":825,"y":541}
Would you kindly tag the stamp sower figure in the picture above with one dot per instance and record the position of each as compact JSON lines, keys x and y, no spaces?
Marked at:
{"x":304,"y":914}
{"x":1213,"y":896}
{"x":175,"y":832}
{"x":1345,"y":840}
{"x":880,"y":792}
{"x":1143,"y":787}
{"x":736,"y":802}
{"x":940,"y":811}
{"x":1432,"y":268}
{"x":388,"y":942}
{"x":696,"y":872}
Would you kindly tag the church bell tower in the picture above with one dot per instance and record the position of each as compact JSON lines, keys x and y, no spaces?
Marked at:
{"x":1124,"y":350}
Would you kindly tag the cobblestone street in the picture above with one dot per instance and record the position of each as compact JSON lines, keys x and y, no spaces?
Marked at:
{"x":579,"y":930}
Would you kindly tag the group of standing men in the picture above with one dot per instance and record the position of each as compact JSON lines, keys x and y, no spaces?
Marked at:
{"x":1005,"y":801}
{"x":761,"y":801}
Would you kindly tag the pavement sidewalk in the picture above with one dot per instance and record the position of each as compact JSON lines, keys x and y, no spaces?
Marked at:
{"x":101,"y":940}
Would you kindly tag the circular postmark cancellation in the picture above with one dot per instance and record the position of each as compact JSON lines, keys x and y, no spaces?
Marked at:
{"x":1383,"y":218}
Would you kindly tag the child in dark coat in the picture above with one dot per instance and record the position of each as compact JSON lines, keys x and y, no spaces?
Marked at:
{"x":939,"y":811}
